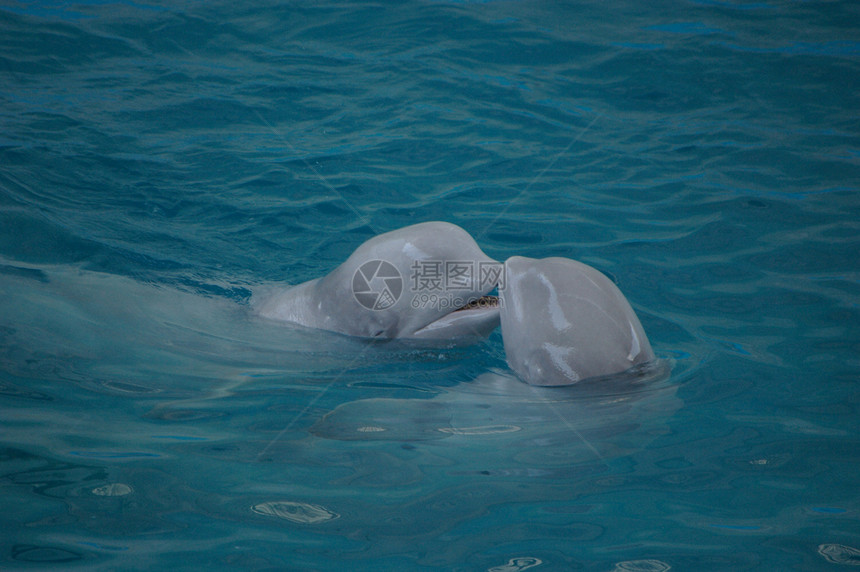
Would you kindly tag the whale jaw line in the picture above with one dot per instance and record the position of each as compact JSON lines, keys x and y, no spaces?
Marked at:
{"x":471,"y":322}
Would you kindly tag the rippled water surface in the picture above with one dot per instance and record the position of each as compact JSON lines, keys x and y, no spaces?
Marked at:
{"x":159,"y":163}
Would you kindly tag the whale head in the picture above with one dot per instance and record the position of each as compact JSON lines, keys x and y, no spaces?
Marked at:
{"x":426,"y":282}
{"x":564,"y":321}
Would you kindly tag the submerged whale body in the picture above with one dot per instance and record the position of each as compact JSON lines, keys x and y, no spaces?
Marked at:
{"x":562,"y":321}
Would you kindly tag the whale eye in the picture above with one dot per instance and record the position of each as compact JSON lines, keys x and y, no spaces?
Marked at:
{"x":380,"y":326}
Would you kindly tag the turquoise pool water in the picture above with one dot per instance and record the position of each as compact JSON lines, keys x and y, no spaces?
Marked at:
{"x":161,"y":162}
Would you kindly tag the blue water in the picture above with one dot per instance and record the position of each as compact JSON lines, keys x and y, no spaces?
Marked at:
{"x":160,"y":162}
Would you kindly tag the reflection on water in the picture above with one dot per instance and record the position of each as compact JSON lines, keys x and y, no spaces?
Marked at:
{"x":839,"y":554}
{"x":295,"y":511}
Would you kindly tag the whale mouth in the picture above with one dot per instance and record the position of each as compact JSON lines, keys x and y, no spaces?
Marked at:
{"x":481,"y":303}
{"x":472,"y":321}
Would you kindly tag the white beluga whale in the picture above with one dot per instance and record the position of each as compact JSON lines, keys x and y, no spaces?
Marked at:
{"x":564,"y":321}
{"x":424,"y":282}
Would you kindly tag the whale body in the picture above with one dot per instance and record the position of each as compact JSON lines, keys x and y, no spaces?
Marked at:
{"x":564,"y":321}
{"x":421,"y":282}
